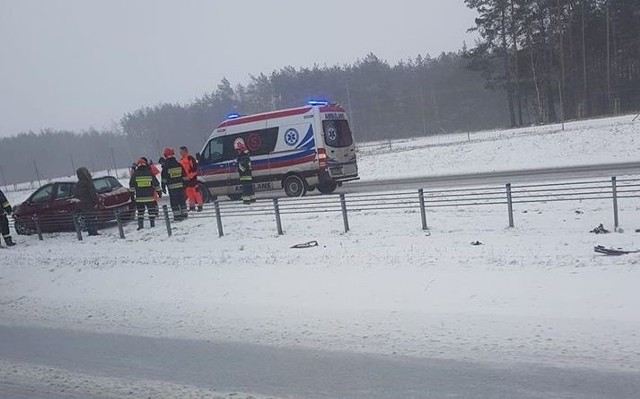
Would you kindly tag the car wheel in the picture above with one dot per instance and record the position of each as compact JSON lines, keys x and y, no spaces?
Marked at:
{"x":235,"y":197}
{"x":294,"y":186}
{"x":327,"y":188}
{"x":21,"y":228}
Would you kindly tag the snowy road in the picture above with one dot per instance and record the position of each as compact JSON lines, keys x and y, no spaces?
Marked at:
{"x":496,"y":177}
{"x":300,"y":373}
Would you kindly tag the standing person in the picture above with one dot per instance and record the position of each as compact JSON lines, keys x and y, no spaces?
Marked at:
{"x":145,"y":185}
{"x":244,"y":169}
{"x":191,"y":169}
{"x":154,"y":171}
{"x":173,"y":176}
{"x":5,"y":209}
{"x":86,"y":193}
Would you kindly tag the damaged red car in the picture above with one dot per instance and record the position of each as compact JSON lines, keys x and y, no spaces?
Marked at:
{"x":54,"y":207}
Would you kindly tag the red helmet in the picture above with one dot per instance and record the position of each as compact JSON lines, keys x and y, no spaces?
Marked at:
{"x":168,"y":152}
{"x":239,"y":145}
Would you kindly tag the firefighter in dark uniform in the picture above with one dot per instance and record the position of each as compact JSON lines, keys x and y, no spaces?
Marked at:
{"x":244,"y":170}
{"x":5,"y":209}
{"x":173,"y":177}
{"x":145,"y":185}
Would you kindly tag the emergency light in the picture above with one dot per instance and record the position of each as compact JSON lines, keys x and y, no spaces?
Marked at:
{"x":233,"y":115}
{"x":318,"y":102}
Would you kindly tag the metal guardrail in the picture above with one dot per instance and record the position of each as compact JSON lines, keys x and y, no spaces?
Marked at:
{"x":424,"y":200}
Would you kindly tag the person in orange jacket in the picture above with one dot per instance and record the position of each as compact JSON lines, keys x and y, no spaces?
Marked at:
{"x":191,"y":182}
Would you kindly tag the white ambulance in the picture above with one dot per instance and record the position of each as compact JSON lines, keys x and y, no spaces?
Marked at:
{"x":298,"y":150}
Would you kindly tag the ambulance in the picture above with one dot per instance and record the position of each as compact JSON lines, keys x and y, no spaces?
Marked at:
{"x":296,"y":150}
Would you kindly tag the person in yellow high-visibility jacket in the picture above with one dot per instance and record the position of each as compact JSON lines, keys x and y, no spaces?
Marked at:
{"x":145,"y":186}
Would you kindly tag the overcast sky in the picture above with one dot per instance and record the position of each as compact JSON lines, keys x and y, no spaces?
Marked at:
{"x":73,"y":64}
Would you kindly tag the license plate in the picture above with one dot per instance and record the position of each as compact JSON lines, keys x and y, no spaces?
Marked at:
{"x":336,"y":170}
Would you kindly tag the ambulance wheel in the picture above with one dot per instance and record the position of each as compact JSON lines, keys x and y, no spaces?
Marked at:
{"x":206,"y":194}
{"x":294,"y":186}
{"x":235,"y":197}
{"x":327,"y":188}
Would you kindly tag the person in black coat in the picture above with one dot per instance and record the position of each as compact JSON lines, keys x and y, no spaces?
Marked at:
{"x":5,"y":209}
{"x":173,"y":177}
{"x":245,"y":172}
{"x":86,"y":193}
{"x":145,"y":186}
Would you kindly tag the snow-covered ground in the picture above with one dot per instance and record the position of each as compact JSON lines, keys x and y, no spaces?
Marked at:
{"x":533,"y":294}
{"x":599,"y":141}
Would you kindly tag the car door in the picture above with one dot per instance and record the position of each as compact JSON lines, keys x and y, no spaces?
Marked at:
{"x":214,"y":166}
{"x":40,"y":206}
{"x":63,"y":205}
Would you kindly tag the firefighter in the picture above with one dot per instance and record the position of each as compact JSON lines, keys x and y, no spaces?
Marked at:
{"x":154,"y":171}
{"x":173,"y":176}
{"x":191,"y":169}
{"x":5,"y":209}
{"x":145,"y":185}
{"x":244,"y":169}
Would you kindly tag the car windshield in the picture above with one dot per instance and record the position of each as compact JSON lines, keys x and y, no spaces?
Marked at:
{"x":103,"y":185}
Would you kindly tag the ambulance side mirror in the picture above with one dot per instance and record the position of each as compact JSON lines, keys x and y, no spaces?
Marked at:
{"x":198,"y":157}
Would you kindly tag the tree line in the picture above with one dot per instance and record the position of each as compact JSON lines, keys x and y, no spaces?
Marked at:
{"x":29,"y":157}
{"x":559,"y":59}
{"x":414,"y":97}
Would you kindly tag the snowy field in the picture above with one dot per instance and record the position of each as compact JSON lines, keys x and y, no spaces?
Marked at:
{"x":534,"y":294}
{"x":599,"y":141}
{"x":537,"y":293}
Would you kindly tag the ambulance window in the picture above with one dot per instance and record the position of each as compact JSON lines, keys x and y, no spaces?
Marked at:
{"x":262,"y":142}
{"x":337,"y":133}
{"x":214,"y":150}
{"x":258,"y":142}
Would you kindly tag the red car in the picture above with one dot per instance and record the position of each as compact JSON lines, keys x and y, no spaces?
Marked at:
{"x":54,"y":205}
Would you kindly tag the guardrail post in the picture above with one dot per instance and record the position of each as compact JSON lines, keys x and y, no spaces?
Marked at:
{"x":345,"y":218}
{"x":167,"y":222}
{"x":510,"y":204}
{"x":423,"y":210}
{"x":77,"y":227}
{"x":276,"y":208}
{"x":38,"y":227}
{"x":119,"y":221}
{"x":614,"y":189}
{"x":216,"y":206}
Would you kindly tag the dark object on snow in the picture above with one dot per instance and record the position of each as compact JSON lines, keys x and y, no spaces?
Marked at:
{"x":579,"y":212}
{"x":305,"y":245}
{"x":613,"y":251}
{"x":477,"y":243}
{"x":600,"y":230}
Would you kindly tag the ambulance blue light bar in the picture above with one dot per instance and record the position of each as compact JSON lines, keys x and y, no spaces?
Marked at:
{"x":233,"y":115}
{"x":314,"y":103}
